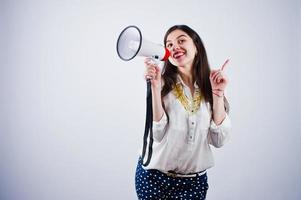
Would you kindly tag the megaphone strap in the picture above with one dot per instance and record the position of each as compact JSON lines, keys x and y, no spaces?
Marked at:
{"x":148,"y":130}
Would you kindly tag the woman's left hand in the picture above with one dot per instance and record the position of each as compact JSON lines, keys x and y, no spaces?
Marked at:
{"x":218,"y":80}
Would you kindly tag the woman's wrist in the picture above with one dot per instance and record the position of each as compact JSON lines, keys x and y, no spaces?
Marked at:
{"x":156,"y":89}
{"x":218,"y":93}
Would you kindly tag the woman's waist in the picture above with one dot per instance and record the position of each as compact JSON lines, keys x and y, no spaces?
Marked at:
{"x":184,"y":175}
{"x":171,"y":166}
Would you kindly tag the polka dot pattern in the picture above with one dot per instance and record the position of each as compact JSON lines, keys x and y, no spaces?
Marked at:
{"x":156,"y":185}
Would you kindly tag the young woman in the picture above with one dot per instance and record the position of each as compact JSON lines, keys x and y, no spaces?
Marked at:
{"x":190,"y":113}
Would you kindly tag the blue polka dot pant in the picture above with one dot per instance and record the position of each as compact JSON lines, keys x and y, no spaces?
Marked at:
{"x":154,"y":184}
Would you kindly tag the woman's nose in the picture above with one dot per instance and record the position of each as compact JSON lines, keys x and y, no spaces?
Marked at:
{"x":175,"y":47}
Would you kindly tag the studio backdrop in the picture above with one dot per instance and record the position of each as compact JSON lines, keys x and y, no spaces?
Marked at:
{"x":72,"y":113}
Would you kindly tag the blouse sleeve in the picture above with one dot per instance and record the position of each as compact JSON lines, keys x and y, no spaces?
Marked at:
{"x":219,"y":134}
{"x":159,"y":128}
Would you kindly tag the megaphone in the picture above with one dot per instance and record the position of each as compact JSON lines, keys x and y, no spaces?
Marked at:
{"x":130,"y":44}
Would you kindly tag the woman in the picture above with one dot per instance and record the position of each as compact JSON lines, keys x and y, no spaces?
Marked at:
{"x":189,"y":115}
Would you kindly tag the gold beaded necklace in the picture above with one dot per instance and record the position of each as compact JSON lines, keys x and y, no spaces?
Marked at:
{"x":190,"y":106}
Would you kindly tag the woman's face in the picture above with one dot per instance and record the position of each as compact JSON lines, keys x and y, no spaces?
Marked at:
{"x":182,"y":49}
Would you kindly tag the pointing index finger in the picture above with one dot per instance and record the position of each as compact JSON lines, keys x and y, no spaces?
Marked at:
{"x":226,"y":62}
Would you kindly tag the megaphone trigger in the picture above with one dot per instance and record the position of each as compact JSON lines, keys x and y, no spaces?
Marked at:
{"x":154,"y":61}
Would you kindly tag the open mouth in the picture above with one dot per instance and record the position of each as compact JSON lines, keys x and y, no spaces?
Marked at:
{"x":178,"y":54}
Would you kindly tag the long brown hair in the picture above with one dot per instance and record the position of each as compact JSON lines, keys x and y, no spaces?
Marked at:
{"x":201,"y":69}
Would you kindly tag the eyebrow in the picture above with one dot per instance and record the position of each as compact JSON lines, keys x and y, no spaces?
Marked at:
{"x":176,"y":38}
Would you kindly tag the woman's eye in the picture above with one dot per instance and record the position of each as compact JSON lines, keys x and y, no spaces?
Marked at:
{"x":181,"y":41}
{"x":169,"y":45}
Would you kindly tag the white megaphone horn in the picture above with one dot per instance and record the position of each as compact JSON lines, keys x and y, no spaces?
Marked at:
{"x":130,"y":44}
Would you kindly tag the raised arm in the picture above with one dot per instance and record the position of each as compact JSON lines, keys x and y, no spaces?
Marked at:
{"x":218,"y":82}
{"x":220,"y":125}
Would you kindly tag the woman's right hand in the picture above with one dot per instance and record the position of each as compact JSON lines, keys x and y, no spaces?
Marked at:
{"x":153,"y":73}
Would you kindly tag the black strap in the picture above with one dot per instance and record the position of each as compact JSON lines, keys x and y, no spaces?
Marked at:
{"x":148,"y":131}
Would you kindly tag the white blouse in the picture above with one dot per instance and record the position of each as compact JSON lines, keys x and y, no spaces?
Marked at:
{"x":183,"y":144}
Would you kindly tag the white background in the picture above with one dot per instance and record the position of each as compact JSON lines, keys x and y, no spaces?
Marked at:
{"x":72,"y":113}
